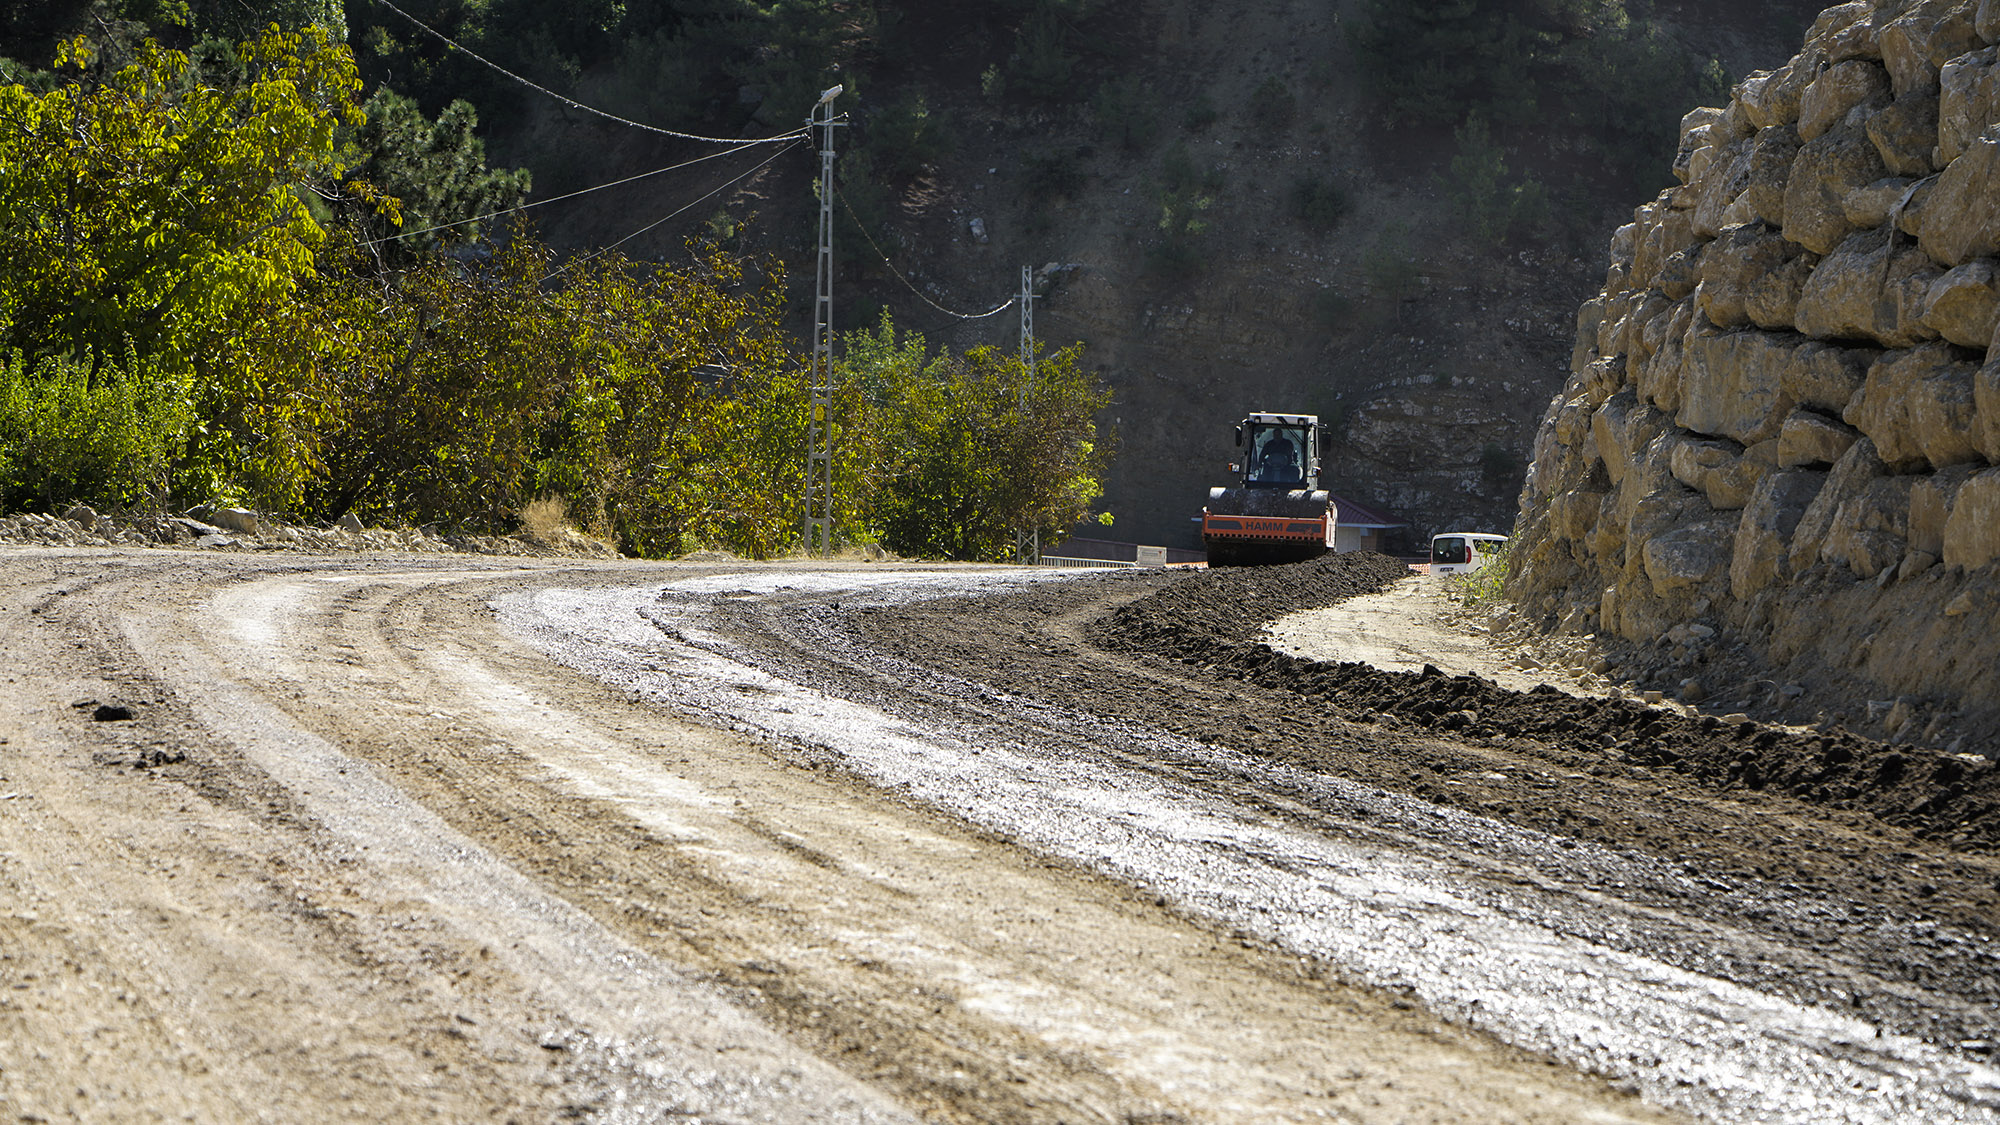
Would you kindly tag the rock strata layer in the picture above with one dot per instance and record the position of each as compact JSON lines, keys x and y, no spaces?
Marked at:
{"x":1782,"y":423}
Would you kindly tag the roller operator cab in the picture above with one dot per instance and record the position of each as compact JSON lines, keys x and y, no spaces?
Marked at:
{"x":1276,"y":512}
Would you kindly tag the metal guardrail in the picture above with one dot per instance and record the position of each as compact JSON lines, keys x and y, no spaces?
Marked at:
{"x":1147,"y":556}
{"x":1062,"y":563}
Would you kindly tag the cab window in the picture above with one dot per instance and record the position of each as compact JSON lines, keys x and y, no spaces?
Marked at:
{"x":1277,"y":454}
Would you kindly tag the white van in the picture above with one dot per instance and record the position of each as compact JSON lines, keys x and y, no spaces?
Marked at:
{"x":1461,"y":552}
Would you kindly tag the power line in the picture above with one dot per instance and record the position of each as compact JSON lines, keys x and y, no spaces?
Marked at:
{"x":558,"y":271}
{"x":995,"y":311}
{"x":571,"y":195}
{"x":572,"y":102}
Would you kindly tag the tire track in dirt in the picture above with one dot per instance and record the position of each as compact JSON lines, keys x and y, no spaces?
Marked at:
{"x":208,"y":963}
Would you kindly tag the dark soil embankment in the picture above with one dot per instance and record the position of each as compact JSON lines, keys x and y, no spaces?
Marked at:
{"x":1874,"y":861}
{"x":1211,"y":619}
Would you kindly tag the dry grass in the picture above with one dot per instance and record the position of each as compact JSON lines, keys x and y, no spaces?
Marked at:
{"x":546,"y":520}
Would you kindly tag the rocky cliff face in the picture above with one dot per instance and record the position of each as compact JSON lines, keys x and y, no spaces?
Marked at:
{"x":1772,"y":472}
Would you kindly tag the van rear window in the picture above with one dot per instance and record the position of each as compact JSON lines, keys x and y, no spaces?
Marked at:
{"x":1447,"y":550}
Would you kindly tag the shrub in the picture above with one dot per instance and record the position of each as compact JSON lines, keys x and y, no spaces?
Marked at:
{"x":958,"y":450}
{"x":658,"y":78}
{"x":1186,"y":193}
{"x":1490,"y":205}
{"x":1389,"y":266}
{"x":1319,"y":202}
{"x":1201,"y":112}
{"x":1051,"y":173}
{"x":1272,"y":105}
{"x":1179,"y":173}
{"x":546,"y":519}
{"x":909,"y":136}
{"x":1175,"y":258}
{"x":1124,"y":110}
{"x":1484,"y":588}
{"x":70,"y":435}
{"x":864,"y":199}
{"x":1044,"y":60}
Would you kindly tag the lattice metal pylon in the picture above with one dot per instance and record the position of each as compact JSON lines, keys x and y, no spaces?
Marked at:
{"x":1027,"y":541}
{"x":1027,"y":329}
{"x":819,"y":423}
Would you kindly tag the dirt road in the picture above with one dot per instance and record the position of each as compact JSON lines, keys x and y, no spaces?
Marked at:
{"x":417,"y":838}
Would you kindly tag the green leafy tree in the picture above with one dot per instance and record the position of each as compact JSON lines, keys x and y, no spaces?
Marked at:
{"x":1045,"y":60}
{"x":1124,"y":109}
{"x":149,"y":213}
{"x":1527,"y":64}
{"x":32,"y":29}
{"x":962,"y":449}
{"x":909,"y":135}
{"x":663,"y":403}
{"x":232,"y":20}
{"x":444,"y":382}
{"x":153,"y":223}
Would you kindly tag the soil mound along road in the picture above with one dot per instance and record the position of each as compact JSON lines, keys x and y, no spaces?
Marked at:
{"x":1211,"y":620}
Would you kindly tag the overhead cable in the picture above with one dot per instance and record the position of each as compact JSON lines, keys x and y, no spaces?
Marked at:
{"x":559,"y":270}
{"x":995,"y":311}
{"x":571,"y":195}
{"x":572,"y":102}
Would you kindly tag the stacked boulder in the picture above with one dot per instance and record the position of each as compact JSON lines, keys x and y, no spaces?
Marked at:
{"x":1783,"y":414}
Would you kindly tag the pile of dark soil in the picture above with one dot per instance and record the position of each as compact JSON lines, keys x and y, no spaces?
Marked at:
{"x":1210,"y":619}
{"x":1795,"y":841}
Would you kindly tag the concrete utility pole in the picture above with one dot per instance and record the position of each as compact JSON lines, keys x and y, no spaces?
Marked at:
{"x":1027,"y":543}
{"x":819,"y":432}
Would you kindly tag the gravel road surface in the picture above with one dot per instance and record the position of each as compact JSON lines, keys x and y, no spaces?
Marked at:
{"x":377,"y":837}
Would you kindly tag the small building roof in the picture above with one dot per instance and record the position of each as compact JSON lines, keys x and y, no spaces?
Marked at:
{"x":1353,"y":513}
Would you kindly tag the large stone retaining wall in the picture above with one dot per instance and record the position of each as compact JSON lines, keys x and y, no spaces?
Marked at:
{"x":1782,"y":425}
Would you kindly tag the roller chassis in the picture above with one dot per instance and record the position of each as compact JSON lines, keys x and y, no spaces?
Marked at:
{"x":1276,"y":513}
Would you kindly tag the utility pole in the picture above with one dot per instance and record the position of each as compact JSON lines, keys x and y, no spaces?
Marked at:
{"x":1028,"y":542}
{"x":819,"y":426}
{"x":1027,"y":329}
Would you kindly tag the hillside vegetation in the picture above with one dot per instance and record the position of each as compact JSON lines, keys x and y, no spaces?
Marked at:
{"x":204,"y":297}
{"x":1370,"y":210}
